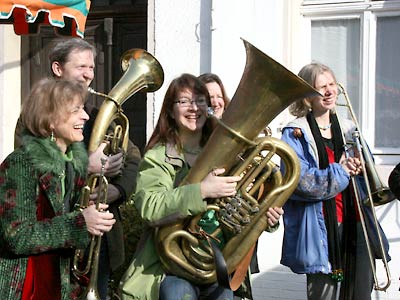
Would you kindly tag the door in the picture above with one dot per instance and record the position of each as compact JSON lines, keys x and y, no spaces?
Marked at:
{"x":113,"y":27}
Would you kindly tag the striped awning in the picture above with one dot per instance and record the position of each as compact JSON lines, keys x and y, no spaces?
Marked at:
{"x":68,"y":17}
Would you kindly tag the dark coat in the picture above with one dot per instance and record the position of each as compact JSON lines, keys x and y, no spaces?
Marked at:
{"x":394,"y":181}
{"x":30,"y":175}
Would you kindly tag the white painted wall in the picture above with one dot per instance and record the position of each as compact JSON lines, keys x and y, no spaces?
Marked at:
{"x":207,"y":37}
{"x":174,"y":40}
{"x":10,"y":87}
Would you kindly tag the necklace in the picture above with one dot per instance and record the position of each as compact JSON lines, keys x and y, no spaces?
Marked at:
{"x":326,"y":127}
{"x":194,"y":151}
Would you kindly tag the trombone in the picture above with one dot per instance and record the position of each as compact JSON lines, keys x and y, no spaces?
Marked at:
{"x":377,"y":193}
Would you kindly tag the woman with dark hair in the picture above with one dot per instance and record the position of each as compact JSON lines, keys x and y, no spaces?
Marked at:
{"x":323,"y":236}
{"x":181,"y":132}
{"x":168,"y":128}
{"x":41,"y":182}
{"x":218,"y":97}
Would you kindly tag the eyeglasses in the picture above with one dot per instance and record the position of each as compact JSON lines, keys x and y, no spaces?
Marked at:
{"x":185,"y":102}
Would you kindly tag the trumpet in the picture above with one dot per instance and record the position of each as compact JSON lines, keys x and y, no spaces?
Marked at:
{"x":377,"y":193}
{"x":93,"y":254}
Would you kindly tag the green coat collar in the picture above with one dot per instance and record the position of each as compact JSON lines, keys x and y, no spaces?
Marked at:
{"x":173,"y":157}
{"x":46,"y":157}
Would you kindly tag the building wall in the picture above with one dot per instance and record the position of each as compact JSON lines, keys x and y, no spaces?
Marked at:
{"x":207,"y":37}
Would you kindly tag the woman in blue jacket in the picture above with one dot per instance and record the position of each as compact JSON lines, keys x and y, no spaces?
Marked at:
{"x":322,"y":235}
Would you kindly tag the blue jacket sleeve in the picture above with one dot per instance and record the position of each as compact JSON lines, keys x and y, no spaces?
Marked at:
{"x":315,"y":184}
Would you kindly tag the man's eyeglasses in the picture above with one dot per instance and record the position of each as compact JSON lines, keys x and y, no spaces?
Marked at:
{"x":185,"y":102}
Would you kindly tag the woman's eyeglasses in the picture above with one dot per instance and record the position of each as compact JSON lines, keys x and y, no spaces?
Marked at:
{"x":185,"y":102}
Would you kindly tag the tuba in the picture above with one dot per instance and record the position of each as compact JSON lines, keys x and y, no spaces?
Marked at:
{"x":142,"y":72}
{"x":266,"y":89}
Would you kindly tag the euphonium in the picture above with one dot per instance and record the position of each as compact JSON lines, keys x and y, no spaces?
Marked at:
{"x":142,"y":72}
{"x":265,"y":90}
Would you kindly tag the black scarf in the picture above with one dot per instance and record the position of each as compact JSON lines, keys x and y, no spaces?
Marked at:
{"x":69,"y":185}
{"x":334,"y":247}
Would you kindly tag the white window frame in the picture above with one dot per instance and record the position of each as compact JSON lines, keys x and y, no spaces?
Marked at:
{"x":317,"y":2}
{"x":367,"y":12}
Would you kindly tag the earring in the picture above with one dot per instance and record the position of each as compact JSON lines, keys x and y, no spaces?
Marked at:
{"x":52,"y":138}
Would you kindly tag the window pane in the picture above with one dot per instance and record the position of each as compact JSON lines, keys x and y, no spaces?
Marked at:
{"x":387,"y":96}
{"x":336,"y":43}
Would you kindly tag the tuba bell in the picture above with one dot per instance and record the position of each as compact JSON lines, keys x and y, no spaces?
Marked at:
{"x":266,"y":89}
{"x":142,"y":72}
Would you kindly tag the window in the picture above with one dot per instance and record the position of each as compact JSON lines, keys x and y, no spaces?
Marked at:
{"x":359,"y":41}
{"x":387,"y":82}
{"x":336,"y":43}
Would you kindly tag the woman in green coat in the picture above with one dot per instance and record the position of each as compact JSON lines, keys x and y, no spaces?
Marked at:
{"x":179,"y":136}
{"x":40,"y":183}
{"x":181,"y":132}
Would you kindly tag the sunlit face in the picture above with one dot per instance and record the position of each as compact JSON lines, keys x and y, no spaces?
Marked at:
{"x":325,"y":84}
{"x":69,"y":128}
{"x":79,"y":67}
{"x":216,"y":97}
{"x":191,"y":118}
